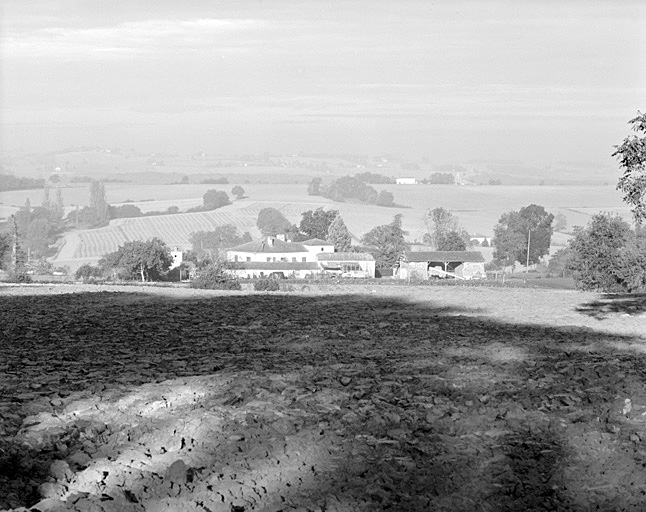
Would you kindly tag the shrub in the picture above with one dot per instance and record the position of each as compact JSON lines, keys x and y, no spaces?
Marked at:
{"x":597,"y":251}
{"x":215,"y":277}
{"x":18,"y":277}
{"x":87,"y":273}
{"x":269,"y":285}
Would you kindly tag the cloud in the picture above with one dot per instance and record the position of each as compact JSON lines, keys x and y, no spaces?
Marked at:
{"x":129,"y":39}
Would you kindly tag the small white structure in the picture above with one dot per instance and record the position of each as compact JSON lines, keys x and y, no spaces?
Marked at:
{"x":480,"y":238}
{"x":406,"y":181}
{"x":177,"y":258}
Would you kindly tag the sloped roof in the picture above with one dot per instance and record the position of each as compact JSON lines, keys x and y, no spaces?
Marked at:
{"x":344,"y":256}
{"x":316,"y":241}
{"x":445,"y":256}
{"x":276,"y":265}
{"x":264,"y":247}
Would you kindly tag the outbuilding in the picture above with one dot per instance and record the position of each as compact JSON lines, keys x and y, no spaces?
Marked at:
{"x":464,"y":265}
{"x":347,"y":264}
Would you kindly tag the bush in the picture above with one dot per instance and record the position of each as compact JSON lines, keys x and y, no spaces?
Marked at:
{"x":87,"y":273}
{"x":18,"y":277}
{"x":268,"y":285}
{"x":215,"y":277}
{"x":597,"y":254}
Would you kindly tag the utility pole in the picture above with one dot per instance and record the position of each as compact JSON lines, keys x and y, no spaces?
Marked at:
{"x":14,"y":254}
{"x":529,"y":239}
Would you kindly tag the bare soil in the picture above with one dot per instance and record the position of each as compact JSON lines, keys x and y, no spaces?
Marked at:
{"x":330,"y":399}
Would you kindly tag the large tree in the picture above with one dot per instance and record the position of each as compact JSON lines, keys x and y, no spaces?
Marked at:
{"x":632,"y":160}
{"x":596,"y":253}
{"x":213,"y":199}
{"x":273,"y":222}
{"x":238,"y":191}
{"x":314,"y":187}
{"x":315,"y":224}
{"x":221,"y":237}
{"x":385,"y":198}
{"x":387,"y":242}
{"x":531,"y":227}
{"x":148,"y":260}
{"x":559,"y":264}
{"x":6,"y":244}
{"x":37,"y":238}
{"x":339,"y":235}
{"x":348,"y":187}
{"x":99,"y":203}
{"x":439,"y":222}
{"x":451,"y":241}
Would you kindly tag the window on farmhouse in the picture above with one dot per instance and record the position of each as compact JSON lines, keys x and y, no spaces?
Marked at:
{"x":268,"y":258}
{"x":283,"y":259}
{"x":235,"y":258}
{"x":294,"y":260}
{"x":304,"y":259}
{"x":350,"y":267}
{"x":248,"y":258}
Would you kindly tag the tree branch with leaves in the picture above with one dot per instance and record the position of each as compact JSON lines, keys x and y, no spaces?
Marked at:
{"x":631,"y":154}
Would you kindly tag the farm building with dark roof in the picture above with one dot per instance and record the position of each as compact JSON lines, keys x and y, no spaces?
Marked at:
{"x":442,"y":264}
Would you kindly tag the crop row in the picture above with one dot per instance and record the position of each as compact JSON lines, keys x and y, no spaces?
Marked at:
{"x":174,"y":230}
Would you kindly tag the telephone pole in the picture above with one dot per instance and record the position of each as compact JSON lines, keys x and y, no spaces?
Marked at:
{"x":14,"y":253}
{"x":529,"y":239}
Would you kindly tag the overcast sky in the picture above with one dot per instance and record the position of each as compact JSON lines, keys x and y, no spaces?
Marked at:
{"x":540,"y":81}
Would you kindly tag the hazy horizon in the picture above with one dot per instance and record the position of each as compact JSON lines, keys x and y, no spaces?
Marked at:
{"x":451,"y":81}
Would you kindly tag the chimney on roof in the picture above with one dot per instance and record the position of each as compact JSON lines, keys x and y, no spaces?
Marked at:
{"x":270,"y":241}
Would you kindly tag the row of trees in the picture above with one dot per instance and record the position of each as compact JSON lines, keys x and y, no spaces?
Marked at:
{"x":9,"y":182}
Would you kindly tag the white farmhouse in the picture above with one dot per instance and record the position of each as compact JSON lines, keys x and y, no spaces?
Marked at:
{"x":273,"y":256}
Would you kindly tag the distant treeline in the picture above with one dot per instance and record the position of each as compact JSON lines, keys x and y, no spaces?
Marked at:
{"x":374,"y":178}
{"x":10,"y":182}
{"x":349,"y":188}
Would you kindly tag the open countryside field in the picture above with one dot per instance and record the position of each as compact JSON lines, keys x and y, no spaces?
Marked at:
{"x":125,"y":399}
{"x":478,"y":208}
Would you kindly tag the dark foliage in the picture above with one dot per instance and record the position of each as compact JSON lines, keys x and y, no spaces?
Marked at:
{"x":215,"y":276}
{"x":315,"y":224}
{"x":213,"y":199}
{"x":10,"y":182}
{"x":272,"y":222}
{"x":632,"y":160}
{"x":374,"y":178}
{"x":266,"y":285}
{"x":608,"y":256}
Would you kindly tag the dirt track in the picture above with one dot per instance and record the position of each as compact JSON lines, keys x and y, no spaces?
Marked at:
{"x":356,"y":398}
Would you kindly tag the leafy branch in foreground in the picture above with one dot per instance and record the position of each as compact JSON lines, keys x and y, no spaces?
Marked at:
{"x":632,"y":160}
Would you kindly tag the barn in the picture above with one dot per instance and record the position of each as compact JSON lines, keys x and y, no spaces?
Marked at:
{"x":464,"y":265}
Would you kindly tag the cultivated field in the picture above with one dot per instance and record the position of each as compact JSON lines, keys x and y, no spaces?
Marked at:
{"x":478,"y":208}
{"x":346,"y":398}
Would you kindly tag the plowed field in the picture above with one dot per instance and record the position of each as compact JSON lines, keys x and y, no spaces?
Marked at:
{"x":330,"y":399}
